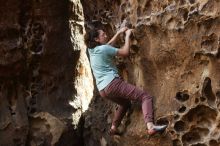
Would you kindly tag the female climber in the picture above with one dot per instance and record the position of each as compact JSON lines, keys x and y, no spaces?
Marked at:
{"x":110,"y":84}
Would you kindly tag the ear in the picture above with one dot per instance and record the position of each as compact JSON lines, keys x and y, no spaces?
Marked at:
{"x":97,"y":40}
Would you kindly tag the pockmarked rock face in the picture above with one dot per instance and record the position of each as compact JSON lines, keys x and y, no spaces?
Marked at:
{"x":47,"y":93}
{"x":41,"y":50}
{"x":175,"y":57}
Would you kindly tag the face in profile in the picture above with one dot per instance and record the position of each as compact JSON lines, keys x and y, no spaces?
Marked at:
{"x":102,"y":38}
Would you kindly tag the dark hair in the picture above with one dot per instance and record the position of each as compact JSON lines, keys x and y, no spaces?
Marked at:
{"x":90,"y":38}
{"x":92,"y":32}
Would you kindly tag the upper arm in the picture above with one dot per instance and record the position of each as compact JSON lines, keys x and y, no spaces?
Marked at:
{"x":111,"y":50}
{"x":115,"y":51}
{"x":122,"y":52}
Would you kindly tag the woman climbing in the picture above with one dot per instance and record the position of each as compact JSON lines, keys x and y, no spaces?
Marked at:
{"x":110,"y":84}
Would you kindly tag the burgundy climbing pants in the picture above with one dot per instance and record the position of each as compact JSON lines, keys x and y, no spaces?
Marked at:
{"x":122,"y":93}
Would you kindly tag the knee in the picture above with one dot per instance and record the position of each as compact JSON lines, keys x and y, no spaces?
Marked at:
{"x":146,"y":97}
{"x":102,"y":93}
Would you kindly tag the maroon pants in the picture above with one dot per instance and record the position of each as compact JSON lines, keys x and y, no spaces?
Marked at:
{"x":122,"y":93}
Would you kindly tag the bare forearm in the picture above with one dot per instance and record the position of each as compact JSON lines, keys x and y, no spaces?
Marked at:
{"x":113,"y":39}
{"x":124,"y":50}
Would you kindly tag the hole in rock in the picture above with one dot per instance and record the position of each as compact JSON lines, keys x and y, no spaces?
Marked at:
{"x":202,"y":99}
{"x":148,"y":8}
{"x":218,"y":126}
{"x":196,"y":100}
{"x":195,"y":135}
{"x":177,"y":142}
{"x":209,"y":42}
{"x":199,"y":144}
{"x":182,"y":96}
{"x":192,"y":1}
{"x":179,"y":126}
{"x":218,"y":94}
{"x":162,"y":121}
{"x":207,"y":91}
{"x":192,"y":8}
{"x":135,"y":48}
{"x":213,"y":143}
{"x":172,"y":132}
{"x":139,"y":11}
{"x":123,"y":17}
{"x":176,"y":117}
{"x":191,"y":137}
{"x":182,"y":2}
{"x":129,"y":25}
{"x":184,"y":14}
{"x":32,"y":111}
{"x":202,"y":115}
{"x":182,"y":109}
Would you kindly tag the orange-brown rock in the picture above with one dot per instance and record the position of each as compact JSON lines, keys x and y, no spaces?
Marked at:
{"x":175,"y":57}
{"x":47,"y":93}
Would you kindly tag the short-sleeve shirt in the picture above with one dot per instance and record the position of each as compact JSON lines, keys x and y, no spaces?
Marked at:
{"x":102,"y":60}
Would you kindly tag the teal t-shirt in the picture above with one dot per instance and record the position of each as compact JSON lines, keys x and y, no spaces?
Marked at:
{"x":103,"y":64}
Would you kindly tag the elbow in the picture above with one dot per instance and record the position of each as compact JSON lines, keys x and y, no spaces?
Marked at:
{"x":123,"y":53}
{"x":126,"y":52}
{"x":109,"y":43}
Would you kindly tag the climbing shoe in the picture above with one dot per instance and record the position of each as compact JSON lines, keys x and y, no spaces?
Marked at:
{"x":156,"y":129}
{"x":114,"y":132}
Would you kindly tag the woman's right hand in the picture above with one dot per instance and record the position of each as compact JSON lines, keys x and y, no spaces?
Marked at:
{"x":128,"y":32}
{"x":121,"y":30}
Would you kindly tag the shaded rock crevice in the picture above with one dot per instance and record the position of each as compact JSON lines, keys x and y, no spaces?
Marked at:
{"x":39,"y":55}
{"x":47,"y":93}
{"x":174,"y":56}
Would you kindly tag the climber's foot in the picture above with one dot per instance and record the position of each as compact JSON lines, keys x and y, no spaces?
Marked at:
{"x":156,"y":129}
{"x":114,"y":131}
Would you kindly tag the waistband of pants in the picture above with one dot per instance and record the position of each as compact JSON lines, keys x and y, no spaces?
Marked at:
{"x":102,"y":92}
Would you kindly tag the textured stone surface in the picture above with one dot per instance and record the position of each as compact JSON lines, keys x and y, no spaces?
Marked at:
{"x":175,"y":57}
{"x":40,"y":47}
{"x":46,"y":83}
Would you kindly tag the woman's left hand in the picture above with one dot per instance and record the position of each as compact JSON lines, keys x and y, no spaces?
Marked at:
{"x":121,"y":30}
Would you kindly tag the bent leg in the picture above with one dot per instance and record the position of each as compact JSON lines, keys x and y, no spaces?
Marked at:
{"x":123,"y":106}
{"x":127,"y":91}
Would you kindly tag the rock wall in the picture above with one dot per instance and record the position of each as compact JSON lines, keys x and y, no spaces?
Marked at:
{"x":175,"y":57}
{"x":41,"y":49}
{"x":46,"y":85}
